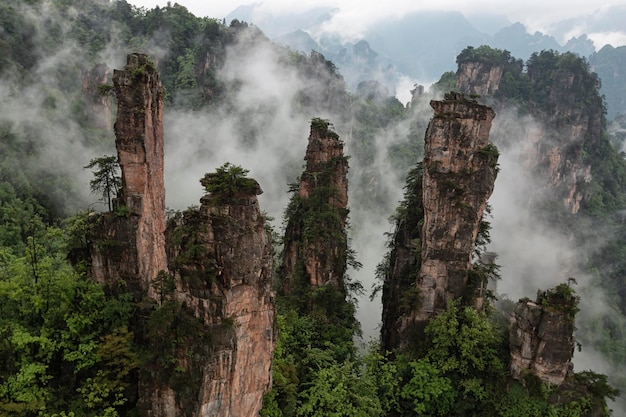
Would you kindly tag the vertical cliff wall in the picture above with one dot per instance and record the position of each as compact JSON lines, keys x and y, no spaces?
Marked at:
{"x":139,"y":142}
{"x":221,"y":266}
{"x":316,"y":243}
{"x":205,"y":324}
{"x":562,"y":98}
{"x":439,"y":221}
{"x":97,"y":98}
{"x":479,"y":78}
{"x":130,"y":245}
{"x":460,"y":167}
{"x":541,"y":335}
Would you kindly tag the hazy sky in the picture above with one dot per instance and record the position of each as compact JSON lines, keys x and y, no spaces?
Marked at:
{"x":535,"y":14}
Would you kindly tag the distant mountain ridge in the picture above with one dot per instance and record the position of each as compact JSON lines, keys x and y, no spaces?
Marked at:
{"x":421,"y":46}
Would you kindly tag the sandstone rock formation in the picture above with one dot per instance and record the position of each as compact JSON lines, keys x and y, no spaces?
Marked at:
{"x":315,"y":238}
{"x":566,"y":128}
{"x":221,"y":264}
{"x":131,"y":247}
{"x":206,"y":320}
{"x":446,"y":197}
{"x":541,"y":335}
{"x":460,"y":167}
{"x":479,"y":78}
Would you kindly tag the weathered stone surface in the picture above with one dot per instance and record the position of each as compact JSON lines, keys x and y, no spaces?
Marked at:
{"x":553,"y":150}
{"x":221,"y":258}
{"x":434,"y":242}
{"x":208,"y":316}
{"x":98,"y":102}
{"x":324,"y":188}
{"x":131,"y":245}
{"x":541,"y":335}
{"x":459,"y":175}
{"x":478,"y":78}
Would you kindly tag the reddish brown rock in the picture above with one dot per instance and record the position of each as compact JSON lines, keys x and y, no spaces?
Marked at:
{"x":319,"y":242}
{"x":554,"y":149}
{"x":221,"y":260}
{"x":431,"y":258}
{"x":541,"y":335}
{"x":207,"y":321}
{"x":131,"y":242}
{"x":459,"y":174}
{"x":479,"y":78}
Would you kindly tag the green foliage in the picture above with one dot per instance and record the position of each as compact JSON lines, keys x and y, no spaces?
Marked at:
{"x":339,"y":390}
{"x":66,"y":347}
{"x":107,"y":181}
{"x":229,"y":180}
{"x":485,"y":55}
{"x":323,"y":127}
{"x":562,"y":298}
{"x":430,"y":393}
{"x":491,"y":153}
{"x":447,"y":82}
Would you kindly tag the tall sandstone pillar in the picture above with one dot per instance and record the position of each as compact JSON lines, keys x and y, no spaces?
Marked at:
{"x":316,"y":242}
{"x":459,"y":175}
{"x":139,"y":142}
{"x":436,"y":232}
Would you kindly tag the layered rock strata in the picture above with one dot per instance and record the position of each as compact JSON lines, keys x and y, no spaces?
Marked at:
{"x":459,"y":171}
{"x":206,"y":320}
{"x":439,"y":220}
{"x":221,"y":263}
{"x":315,"y":238}
{"x":541,"y":336}
{"x":479,"y":78}
{"x":131,"y":246}
{"x":568,"y":126}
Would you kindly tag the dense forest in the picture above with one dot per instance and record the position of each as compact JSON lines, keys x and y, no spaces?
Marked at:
{"x":70,"y":345}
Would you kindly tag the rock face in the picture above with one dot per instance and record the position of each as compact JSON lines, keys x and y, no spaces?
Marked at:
{"x":134,"y":248}
{"x":221,"y":264}
{"x":479,"y":78}
{"x":568,"y":126}
{"x":446,"y":198}
{"x":98,"y":100}
{"x":206,"y":321}
{"x":541,"y":335}
{"x":460,"y":168}
{"x":315,"y":237}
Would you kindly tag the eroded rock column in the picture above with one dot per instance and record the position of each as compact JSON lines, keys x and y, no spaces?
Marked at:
{"x":129,"y":243}
{"x":541,"y":335}
{"x":316,"y":242}
{"x":139,"y":142}
{"x":459,"y":171}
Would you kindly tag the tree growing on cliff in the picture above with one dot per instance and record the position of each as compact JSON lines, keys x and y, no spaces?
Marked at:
{"x":228,"y":180}
{"x":106,"y":182}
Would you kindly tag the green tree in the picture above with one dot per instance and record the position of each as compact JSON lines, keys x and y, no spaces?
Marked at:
{"x":106,"y":181}
{"x":228,"y":180}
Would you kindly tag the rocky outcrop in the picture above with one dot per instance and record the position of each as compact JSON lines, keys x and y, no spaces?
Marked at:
{"x":316,"y":243}
{"x":96,"y":94}
{"x":430,"y":263}
{"x":97,"y":97}
{"x":221,"y":266}
{"x":568,"y":112}
{"x":206,"y":320}
{"x":131,"y":241}
{"x":460,"y":167}
{"x":479,"y":78}
{"x":541,"y":335}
